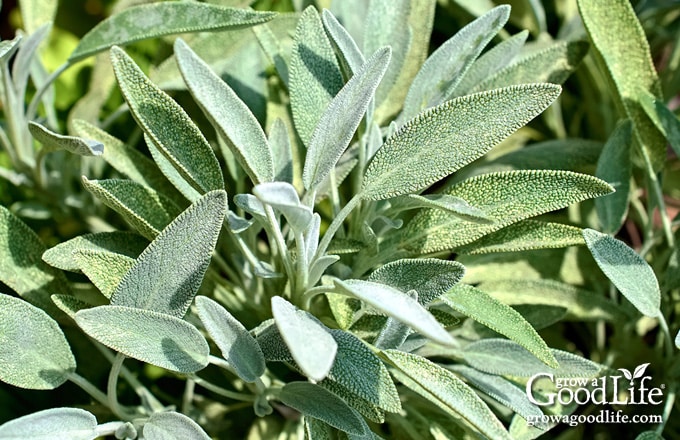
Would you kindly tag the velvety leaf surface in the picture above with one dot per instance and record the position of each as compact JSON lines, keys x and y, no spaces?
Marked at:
{"x":362,"y":406}
{"x":454,"y":205}
{"x":172,"y":426}
{"x":52,"y":424}
{"x":663,"y":118}
{"x":105,"y":269}
{"x":53,"y":141}
{"x":283,"y":197}
{"x":351,"y":57}
{"x":614,"y":166}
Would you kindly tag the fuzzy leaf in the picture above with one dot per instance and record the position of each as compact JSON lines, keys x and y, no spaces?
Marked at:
{"x":454,"y":205}
{"x":69,"y":304}
{"x":167,"y":275}
{"x":508,"y":197}
{"x":168,"y":125}
{"x":281,"y":151}
{"x":456,"y":133}
{"x":362,"y":406}
{"x":173,"y":426}
{"x":142,"y":207}
{"x":572,"y":154}
{"x":398,"y":305}
{"x":34,"y":353}
{"x":283,"y":197}
{"x":314,"y":401}
{"x":21,"y":66}
{"x":155,"y":338}
{"x":614,"y":166}
{"x":629,"y":272}
{"x":158,"y":19}
{"x":629,"y":64}
{"x":338,"y":123}
{"x":105,"y":269}
{"x":447,"y":391}
{"x":443,"y":70}
{"x":8,"y":47}
{"x":663,"y":118}
{"x":310,"y":343}
{"x":52,"y":424}
{"x":315,"y":76}
{"x":230,"y":116}
{"x":172,"y":174}
{"x":350,"y":55}
{"x":499,"y":317}
{"x":53,"y":141}
{"x":429,"y":277}
{"x":238,"y":347}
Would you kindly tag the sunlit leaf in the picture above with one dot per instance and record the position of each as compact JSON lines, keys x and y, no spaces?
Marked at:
{"x":52,"y":424}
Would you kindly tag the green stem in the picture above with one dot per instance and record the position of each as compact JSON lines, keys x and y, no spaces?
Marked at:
{"x":657,"y":192}
{"x":335,"y":225}
{"x":90,"y":389}
{"x":280,"y":242}
{"x":667,"y":409}
{"x":311,"y":293}
{"x":33,"y":106}
{"x":668,"y":342}
{"x":188,"y":395}
{"x":302,"y":267}
{"x":223,"y":392}
{"x":112,"y":384}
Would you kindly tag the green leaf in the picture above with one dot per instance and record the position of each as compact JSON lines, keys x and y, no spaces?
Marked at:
{"x":315,"y":75}
{"x":53,"y":141}
{"x":508,"y":197}
{"x":443,"y":70}
{"x":167,"y":275}
{"x":572,"y":154}
{"x":405,"y":165}
{"x":230,"y":116}
{"x":447,"y":391}
{"x":629,"y":272}
{"x":526,"y":235}
{"x":50,"y":424}
{"x":163,"y":18}
{"x":21,"y":66}
{"x":155,"y":338}
{"x":398,"y":305}
{"x":430,"y":277}
{"x":310,"y":343}
{"x":629,"y":64}
{"x":677,"y":340}
{"x":499,"y":317}
{"x":8,"y":47}
{"x":454,"y":205}
{"x":34,"y":353}
{"x":172,"y":426}
{"x":281,"y":151}
{"x":142,"y":207}
{"x":238,"y":347}
{"x":337,"y":125}
{"x":69,"y":304}
{"x":362,"y":406}
{"x":314,"y":401}
{"x":663,"y":118}
{"x":171,"y":173}
{"x":284,"y":198}
{"x":614,"y":166}
{"x":168,"y":125}
{"x":105,"y":269}
{"x":350,"y":56}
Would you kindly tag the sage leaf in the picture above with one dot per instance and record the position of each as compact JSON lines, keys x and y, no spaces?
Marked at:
{"x":443,"y":70}
{"x":430,"y":277}
{"x":168,"y":125}
{"x":677,"y":340}
{"x":663,"y":118}
{"x":158,"y":19}
{"x":230,"y":116}
{"x":315,"y":75}
{"x":454,"y":205}
{"x":52,"y":424}
{"x":69,"y":304}
{"x":281,"y":151}
{"x":53,"y":141}
{"x":310,"y":343}
{"x":155,"y":338}
{"x":283,"y":197}
{"x":8,"y":47}
{"x":172,"y":426}
{"x":104,"y":269}
{"x":447,"y":391}
{"x":167,"y":168}
{"x":338,"y":123}
{"x":349,"y":53}
{"x":499,"y":317}
{"x":629,"y":64}
{"x":398,"y":305}
{"x":167,"y":275}
{"x":572,"y":154}
{"x":314,"y":401}
{"x":629,"y":272}
{"x":34,"y":353}
{"x":362,"y":406}
{"x":404,"y":165}
{"x":21,"y":66}
{"x":614,"y":166}
{"x":238,"y":347}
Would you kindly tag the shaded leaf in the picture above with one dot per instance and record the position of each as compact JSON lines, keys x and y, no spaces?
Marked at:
{"x":349,"y":53}
{"x":69,"y":304}
{"x":105,"y":269}
{"x":172,"y":426}
{"x":614,"y":166}
{"x":283,"y":197}
{"x":52,"y":424}
{"x":663,"y":118}
{"x":53,"y":141}
{"x":362,"y":406}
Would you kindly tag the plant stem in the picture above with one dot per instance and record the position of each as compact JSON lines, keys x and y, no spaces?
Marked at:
{"x":335,"y":225}
{"x":89,"y":388}
{"x":188,"y":395}
{"x":112,"y":384}
{"x":223,"y":392}
{"x":655,"y":188}
{"x":33,"y":106}
{"x":280,"y":242}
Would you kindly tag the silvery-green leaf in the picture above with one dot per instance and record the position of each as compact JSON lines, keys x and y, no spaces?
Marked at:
{"x":629,"y":64}
{"x":250,"y":204}
{"x":167,"y":275}
{"x":490,"y":62}
{"x":663,"y":118}
{"x":315,"y":429}
{"x":447,"y":391}
{"x":362,"y":406}
{"x":552,"y":65}
{"x":168,"y":125}
{"x":499,"y":317}
{"x":352,"y":14}
{"x":8,"y":47}
{"x":52,"y":424}
{"x":238,"y":347}
{"x":319,"y":403}
{"x":319,"y":266}
{"x":155,"y":338}
{"x":35,"y":13}
{"x":283,"y":197}
{"x":282,"y":154}
{"x":310,"y":343}
{"x":142,"y":207}
{"x":677,"y":340}
{"x":392,"y":335}
{"x":69,"y":304}
{"x":315,"y":76}
{"x":526,"y":235}
{"x":348,"y":51}
{"x":614,"y":166}
{"x":430,"y":277}
{"x":508,"y":358}
{"x":443,"y":70}
{"x":405,"y":163}
{"x":238,"y":224}
{"x":507,"y":196}
{"x":629,"y":272}
{"x":398,"y":305}
{"x":34,"y":353}
{"x":230,"y":116}
{"x":124,"y":243}
{"x":158,"y":19}
{"x":173,"y":426}
{"x":338,"y":123}
{"x":454,"y":205}
{"x":21,"y":66}
{"x":172,"y":174}
{"x":271,"y":343}
{"x":272,"y":47}
{"x":54,"y":141}
{"x":105,"y":269}
{"x":557,"y":154}
{"x":312,"y":237}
